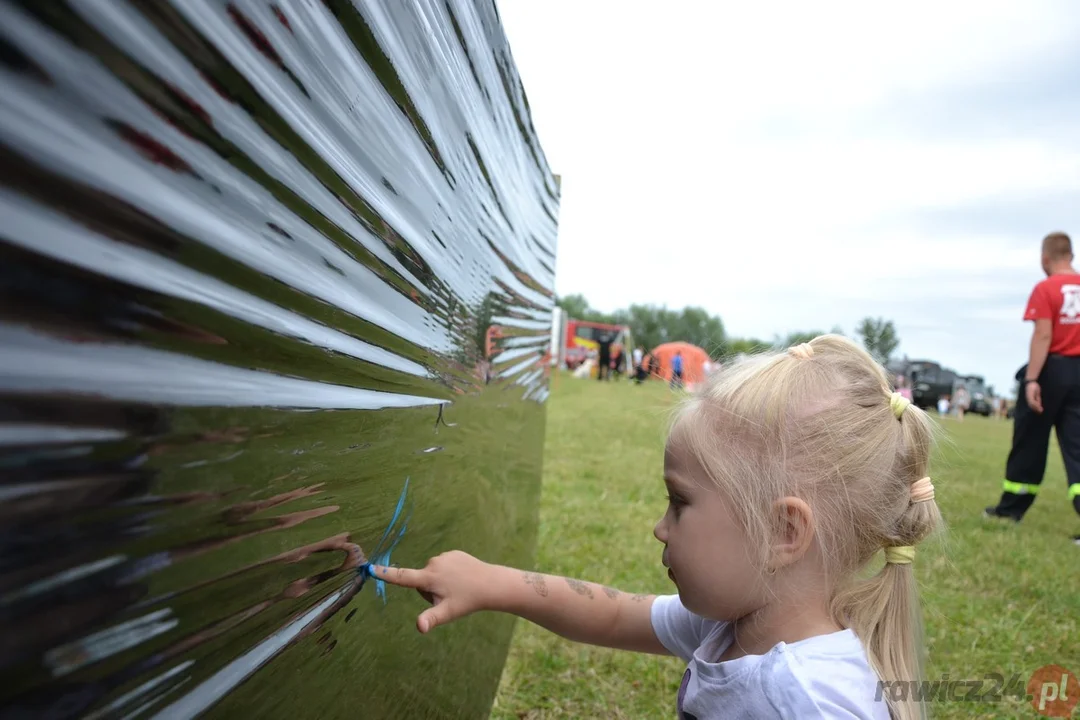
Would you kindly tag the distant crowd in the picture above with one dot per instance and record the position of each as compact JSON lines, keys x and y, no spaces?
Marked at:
{"x":611,"y":363}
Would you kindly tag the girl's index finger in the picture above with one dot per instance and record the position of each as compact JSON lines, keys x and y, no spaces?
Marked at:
{"x":403,"y":577}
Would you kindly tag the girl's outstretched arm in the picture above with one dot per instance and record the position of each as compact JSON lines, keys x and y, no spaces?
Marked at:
{"x":457,"y":584}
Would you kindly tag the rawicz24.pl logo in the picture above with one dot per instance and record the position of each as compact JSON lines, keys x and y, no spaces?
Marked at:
{"x":1052,"y":690}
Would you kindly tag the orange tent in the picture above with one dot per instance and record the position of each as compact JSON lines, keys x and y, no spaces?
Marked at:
{"x":693,"y":359}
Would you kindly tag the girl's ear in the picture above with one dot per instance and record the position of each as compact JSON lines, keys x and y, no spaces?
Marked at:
{"x":795,"y":530}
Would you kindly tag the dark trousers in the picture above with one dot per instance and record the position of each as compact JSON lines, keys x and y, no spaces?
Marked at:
{"x":1024,"y":470}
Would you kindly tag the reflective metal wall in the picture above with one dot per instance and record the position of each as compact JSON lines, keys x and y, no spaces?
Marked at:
{"x":275,"y":299}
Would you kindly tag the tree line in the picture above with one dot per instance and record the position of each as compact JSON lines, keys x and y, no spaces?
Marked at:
{"x":652,"y":326}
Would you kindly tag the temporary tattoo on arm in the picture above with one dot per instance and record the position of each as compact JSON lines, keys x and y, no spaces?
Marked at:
{"x":538,"y":583}
{"x":579,"y":587}
{"x":638,"y":597}
{"x":611,"y":592}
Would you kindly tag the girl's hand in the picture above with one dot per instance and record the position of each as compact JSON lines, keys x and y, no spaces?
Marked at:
{"x":455,"y":583}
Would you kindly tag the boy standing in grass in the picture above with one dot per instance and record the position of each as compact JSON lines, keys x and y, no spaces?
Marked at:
{"x":1049,"y":396}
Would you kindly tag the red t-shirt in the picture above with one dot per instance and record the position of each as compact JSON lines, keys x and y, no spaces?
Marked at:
{"x":1057,"y":298}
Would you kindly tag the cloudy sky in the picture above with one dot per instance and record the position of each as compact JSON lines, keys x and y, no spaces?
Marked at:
{"x":797,"y":166}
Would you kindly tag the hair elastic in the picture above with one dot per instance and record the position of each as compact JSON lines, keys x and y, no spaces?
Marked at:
{"x":804,"y":351}
{"x":900,"y":555}
{"x":922,"y":490}
{"x":899,"y":404}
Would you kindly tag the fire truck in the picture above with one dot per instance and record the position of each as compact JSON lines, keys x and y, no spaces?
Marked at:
{"x":580,"y":340}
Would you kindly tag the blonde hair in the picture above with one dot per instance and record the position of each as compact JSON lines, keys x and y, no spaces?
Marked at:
{"x":820,"y":422}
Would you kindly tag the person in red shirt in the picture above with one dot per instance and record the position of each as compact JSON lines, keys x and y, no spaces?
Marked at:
{"x":1049,"y":396}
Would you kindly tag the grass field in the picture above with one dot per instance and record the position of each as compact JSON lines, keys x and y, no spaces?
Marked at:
{"x":997,"y":598}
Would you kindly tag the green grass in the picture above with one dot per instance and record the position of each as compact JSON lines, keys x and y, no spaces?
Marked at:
{"x":996,"y":598}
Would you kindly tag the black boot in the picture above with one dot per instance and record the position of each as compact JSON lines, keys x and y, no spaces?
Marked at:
{"x":1011,"y":506}
{"x":994,"y":512}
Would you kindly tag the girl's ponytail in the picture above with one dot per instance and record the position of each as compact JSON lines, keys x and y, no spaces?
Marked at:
{"x":883,"y":610}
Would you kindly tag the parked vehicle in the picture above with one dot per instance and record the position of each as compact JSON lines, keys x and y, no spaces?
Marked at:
{"x":980,"y":397}
{"x":929,"y":382}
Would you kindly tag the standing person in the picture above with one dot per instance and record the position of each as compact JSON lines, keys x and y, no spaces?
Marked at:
{"x":646,"y":366}
{"x":1049,"y":396}
{"x":676,"y":370}
{"x":603,"y":362}
{"x":639,"y":355}
{"x":963,"y":402}
{"x":903,"y":388}
{"x":618,"y":364}
{"x":643,"y":368}
{"x":786,"y":480}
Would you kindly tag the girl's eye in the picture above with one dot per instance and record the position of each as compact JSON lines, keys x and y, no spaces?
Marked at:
{"x":676,"y":502}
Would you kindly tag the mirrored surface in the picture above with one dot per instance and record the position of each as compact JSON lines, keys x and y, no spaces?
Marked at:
{"x":276,"y":302}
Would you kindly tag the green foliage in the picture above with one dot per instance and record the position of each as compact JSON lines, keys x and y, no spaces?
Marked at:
{"x":578,"y":308}
{"x":799,"y":337}
{"x":879,"y":337}
{"x":746,"y":346}
{"x":652,"y":326}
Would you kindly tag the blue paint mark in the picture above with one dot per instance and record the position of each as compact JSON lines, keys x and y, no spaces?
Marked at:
{"x":381,"y":555}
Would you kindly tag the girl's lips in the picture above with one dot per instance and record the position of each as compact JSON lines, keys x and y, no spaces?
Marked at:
{"x":671,"y":574}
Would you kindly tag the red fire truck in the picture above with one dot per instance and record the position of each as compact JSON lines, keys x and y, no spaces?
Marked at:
{"x":580,"y":340}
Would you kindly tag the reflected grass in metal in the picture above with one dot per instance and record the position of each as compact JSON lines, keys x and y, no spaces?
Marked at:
{"x":260,"y":262}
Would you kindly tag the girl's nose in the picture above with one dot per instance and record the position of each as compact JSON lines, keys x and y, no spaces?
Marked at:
{"x":659,"y":531}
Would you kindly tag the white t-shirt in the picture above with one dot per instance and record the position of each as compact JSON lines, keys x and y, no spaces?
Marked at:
{"x":828,"y":676}
{"x":637,"y":356}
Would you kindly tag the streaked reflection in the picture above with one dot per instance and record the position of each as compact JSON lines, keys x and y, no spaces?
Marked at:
{"x":262,"y":266}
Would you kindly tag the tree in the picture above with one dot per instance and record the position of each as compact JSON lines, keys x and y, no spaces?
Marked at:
{"x":879,"y":337}
{"x":745,"y":346}
{"x":652,"y":326}
{"x":574,"y":306}
{"x":648,"y":324}
{"x":796,"y":338}
{"x":577,"y":307}
{"x":799,"y":337}
{"x":697,"y":327}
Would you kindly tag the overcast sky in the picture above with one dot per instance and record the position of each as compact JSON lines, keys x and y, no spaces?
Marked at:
{"x":797,"y":166}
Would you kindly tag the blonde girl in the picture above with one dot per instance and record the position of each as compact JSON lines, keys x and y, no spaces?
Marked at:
{"x":787,"y":475}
